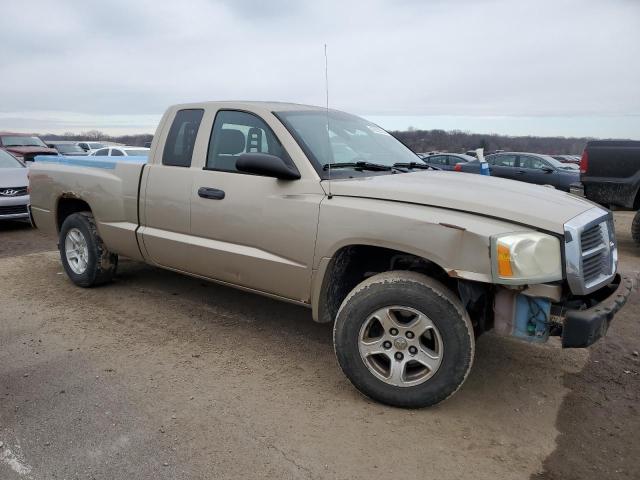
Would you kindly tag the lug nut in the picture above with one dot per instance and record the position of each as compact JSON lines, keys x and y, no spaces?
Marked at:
{"x":410,"y":335}
{"x":387,"y":344}
{"x":413,"y":350}
{"x":399,"y":356}
{"x":393,"y":331}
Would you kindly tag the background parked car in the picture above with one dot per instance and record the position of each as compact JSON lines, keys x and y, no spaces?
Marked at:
{"x":122,"y":152}
{"x":527,"y":167}
{"x":447,"y":161}
{"x":24,"y":146}
{"x":67,"y":148}
{"x":14,"y":198}
{"x":90,"y":147}
{"x":567,"y":159}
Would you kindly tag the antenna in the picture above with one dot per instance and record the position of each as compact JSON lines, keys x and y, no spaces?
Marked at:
{"x":326,"y":87}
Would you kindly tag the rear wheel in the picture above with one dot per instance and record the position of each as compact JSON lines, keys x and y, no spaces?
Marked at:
{"x":635,"y":228}
{"x":404,"y":339}
{"x":84,"y":256}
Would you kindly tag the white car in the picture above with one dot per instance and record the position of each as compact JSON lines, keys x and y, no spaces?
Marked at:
{"x":122,"y":152}
{"x":89,"y":146}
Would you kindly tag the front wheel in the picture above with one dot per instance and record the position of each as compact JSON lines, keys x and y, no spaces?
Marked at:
{"x":404,"y":339}
{"x":84,"y":256}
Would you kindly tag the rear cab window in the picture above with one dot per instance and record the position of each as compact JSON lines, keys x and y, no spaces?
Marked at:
{"x":181,"y":140}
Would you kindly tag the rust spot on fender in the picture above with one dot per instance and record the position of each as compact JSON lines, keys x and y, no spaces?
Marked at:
{"x":453,"y":274}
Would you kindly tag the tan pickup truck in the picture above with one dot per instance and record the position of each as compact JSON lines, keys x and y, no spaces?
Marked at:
{"x":327,"y":210}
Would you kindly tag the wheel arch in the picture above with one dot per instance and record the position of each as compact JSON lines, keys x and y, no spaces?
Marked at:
{"x":351,"y":264}
{"x":67,"y":205}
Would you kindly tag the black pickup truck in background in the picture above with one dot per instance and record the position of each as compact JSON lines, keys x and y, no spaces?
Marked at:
{"x":610,"y":176}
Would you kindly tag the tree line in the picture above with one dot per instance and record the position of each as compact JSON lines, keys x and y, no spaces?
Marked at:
{"x":136,"y":140}
{"x":417,"y":140}
{"x":458,"y":141}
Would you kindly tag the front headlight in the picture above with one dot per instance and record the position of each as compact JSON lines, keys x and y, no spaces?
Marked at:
{"x":526,"y":257}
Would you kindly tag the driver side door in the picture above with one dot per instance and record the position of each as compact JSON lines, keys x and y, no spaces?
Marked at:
{"x":249,"y":230}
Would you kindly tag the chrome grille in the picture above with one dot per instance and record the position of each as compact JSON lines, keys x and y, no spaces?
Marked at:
{"x":590,"y":251}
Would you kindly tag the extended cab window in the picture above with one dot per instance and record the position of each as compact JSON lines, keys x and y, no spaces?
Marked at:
{"x":181,"y":140}
{"x":235,"y":133}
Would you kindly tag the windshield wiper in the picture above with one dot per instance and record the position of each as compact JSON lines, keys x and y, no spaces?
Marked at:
{"x":422,"y":166}
{"x":358,"y":166}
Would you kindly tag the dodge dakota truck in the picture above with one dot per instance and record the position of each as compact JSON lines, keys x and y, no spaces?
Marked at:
{"x":327,"y":210}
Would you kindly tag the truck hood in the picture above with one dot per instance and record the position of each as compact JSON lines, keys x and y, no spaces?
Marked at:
{"x":532,"y":205}
{"x":13,"y":177}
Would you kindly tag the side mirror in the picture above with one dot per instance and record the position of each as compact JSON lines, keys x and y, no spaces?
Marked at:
{"x":547,"y":169}
{"x":266,"y":165}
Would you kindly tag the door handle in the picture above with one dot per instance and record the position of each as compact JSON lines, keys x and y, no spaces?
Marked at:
{"x":520,"y":172}
{"x":212,"y":193}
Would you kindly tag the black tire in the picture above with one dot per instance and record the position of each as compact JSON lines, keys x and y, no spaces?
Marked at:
{"x":635,"y":228}
{"x":425,"y":295}
{"x":101,"y":264}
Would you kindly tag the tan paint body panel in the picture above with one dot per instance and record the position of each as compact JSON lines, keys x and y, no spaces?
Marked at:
{"x":534,"y":205}
{"x":112,"y":195}
{"x":277,"y":237}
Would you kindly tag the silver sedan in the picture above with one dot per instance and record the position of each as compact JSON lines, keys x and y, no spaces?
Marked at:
{"x":14,"y":197}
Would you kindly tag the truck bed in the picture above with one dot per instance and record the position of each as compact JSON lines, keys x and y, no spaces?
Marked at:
{"x":110,"y":185}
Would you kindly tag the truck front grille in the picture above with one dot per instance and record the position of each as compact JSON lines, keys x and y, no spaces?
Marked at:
{"x":590,"y":251}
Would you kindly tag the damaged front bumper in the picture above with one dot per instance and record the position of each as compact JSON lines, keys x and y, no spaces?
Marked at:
{"x":584,"y":326}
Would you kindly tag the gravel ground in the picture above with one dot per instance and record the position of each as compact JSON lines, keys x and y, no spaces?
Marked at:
{"x":163,"y":376}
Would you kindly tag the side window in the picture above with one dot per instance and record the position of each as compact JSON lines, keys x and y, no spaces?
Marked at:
{"x":116,"y":152}
{"x":102,"y":152}
{"x":181,"y":140}
{"x":532,"y":162}
{"x":84,"y":146}
{"x":437,"y":160}
{"x":503,"y":160}
{"x":235,"y":133}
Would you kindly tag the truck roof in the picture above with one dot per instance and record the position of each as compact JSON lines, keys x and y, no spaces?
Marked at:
{"x":250,"y":105}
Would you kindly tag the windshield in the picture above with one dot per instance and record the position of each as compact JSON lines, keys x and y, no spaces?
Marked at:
{"x":350,"y":139}
{"x":8,"y":161}
{"x":21,"y":141}
{"x":68,"y":148}
{"x":137,"y":152}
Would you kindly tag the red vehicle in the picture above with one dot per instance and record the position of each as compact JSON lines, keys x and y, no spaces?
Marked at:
{"x":24,"y":146}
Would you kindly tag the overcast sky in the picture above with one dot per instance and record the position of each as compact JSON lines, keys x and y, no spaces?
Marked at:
{"x":504,"y":66}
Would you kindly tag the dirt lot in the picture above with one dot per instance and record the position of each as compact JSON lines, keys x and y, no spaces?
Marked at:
{"x":162,"y":376}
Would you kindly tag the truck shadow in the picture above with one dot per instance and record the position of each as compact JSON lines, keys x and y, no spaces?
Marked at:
{"x":506,"y":372}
